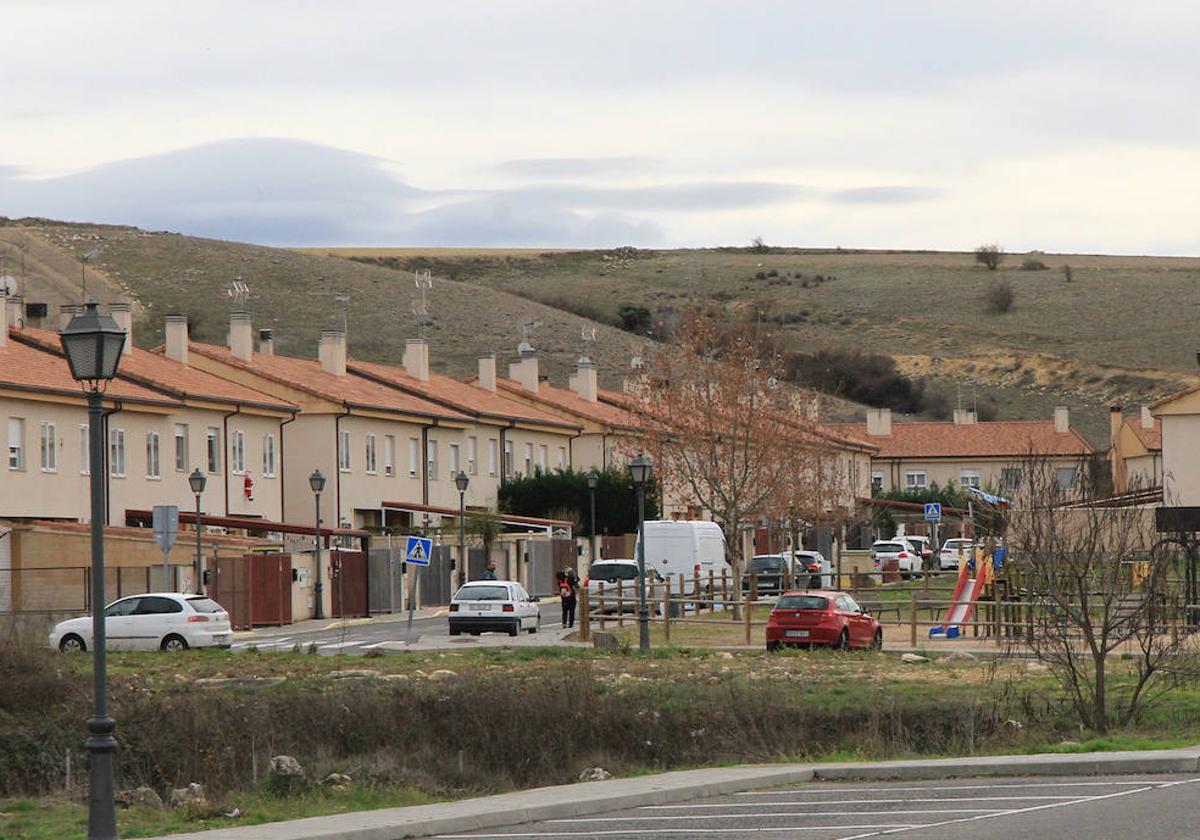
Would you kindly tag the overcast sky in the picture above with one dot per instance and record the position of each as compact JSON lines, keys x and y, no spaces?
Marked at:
{"x":1053,"y":125}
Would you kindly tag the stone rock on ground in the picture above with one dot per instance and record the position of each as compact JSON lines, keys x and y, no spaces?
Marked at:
{"x":443,"y":674}
{"x":913,"y":658}
{"x":605,"y":641}
{"x":960,"y":656}
{"x":192,"y":795}
{"x":594,"y":774}
{"x":337,"y":782}
{"x":285,"y":765}
{"x":143,"y":796}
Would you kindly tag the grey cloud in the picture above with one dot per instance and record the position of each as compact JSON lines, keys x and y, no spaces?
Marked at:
{"x":580,"y":167}
{"x":883,"y":195}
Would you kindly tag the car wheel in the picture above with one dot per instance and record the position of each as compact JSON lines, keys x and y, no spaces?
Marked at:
{"x":174,"y":642}
{"x":773,"y":646}
{"x":877,"y":642}
{"x":454,"y":631}
{"x":843,"y":642}
{"x":71,"y":643}
{"x":515,"y":628}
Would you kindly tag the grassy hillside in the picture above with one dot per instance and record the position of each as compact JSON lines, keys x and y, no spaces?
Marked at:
{"x":294,"y":293}
{"x":1119,"y":330}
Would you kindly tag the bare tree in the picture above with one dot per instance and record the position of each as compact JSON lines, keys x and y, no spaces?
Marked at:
{"x":720,"y":426}
{"x":990,"y":256}
{"x":1099,"y":587}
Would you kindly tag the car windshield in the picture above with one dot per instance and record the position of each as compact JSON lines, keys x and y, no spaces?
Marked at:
{"x":205,"y":605}
{"x":802,"y":602}
{"x":482,"y":593}
{"x":612,"y":572}
{"x":763,"y":564}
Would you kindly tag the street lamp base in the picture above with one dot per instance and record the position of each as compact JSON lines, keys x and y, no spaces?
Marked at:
{"x":102,"y":813}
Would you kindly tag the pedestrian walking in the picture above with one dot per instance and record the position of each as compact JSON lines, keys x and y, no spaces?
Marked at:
{"x":568,"y":588}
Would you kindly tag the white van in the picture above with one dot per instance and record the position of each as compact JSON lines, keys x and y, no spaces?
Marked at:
{"x":682,"y":548}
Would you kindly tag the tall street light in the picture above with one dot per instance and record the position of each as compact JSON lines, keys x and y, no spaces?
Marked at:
{"x":639,"y":472}
{"x":461,"y":481}
{"x":93,"y":344}
{"x":317,"y":482}
{"x":197,"y":480}
{"x":593,"y":481}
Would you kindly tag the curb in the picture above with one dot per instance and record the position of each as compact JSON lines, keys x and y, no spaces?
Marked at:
{"x":586,"y":798}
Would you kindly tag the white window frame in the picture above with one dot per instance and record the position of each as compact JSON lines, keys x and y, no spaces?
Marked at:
{"x":237,"y":452}
{"x":268,"y":465}
{"x":472,"y":455}
{"x":562,"y":457}
{"x":970,"y":478}
{"x":181,"y":447}
{"x":116,"y":453}
{"x":910,"y":484}
{"x":16,"y":443}
{"x":85,"y":450}
{"x":877,"y":480}
{"x":212,"y":450}
{"x":414,"y":456}
{"x":455,"y":461}
{"x":389,"y":455}
{"x":529,"y":459}
{"x":49,"y":447}
{"x":431,"y":464}
{"x":493,"y":455}
{"x":153,"y":456}
{"x":372,"y":465}
{"x":344,"y":462}
{"x":510,"y":457}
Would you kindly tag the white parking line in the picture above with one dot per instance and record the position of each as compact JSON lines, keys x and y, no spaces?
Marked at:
{"x":778,"y":815}
{"x":1015,"y":786}
{"x":807,"y":813}
{"x":642,"y":832}
{"x":341,"y":645}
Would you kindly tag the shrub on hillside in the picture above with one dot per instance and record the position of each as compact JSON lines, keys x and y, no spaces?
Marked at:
{"x":867,"y":378}
{"x":1031,"y":264}
{"x":1000,"y":297}
{"x":634,"y":318}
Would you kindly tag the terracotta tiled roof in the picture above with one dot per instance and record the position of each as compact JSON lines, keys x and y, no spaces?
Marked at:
{"x":1150,"y":438}
{"x":31,"y":366}
{"x":307,"y":375}
{"x":567,"y":400}
{"x":461,"y":396}
{"x":1002,"y":438}
{"x":1178,"y":395}
{"x":155,"y":371}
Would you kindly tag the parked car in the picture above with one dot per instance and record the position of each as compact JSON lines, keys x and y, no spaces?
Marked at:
{"x":608,"y":572}
{"x":909,"y":561}
{"x":683,"y":548}
{"x":948,"y":556}
{"x":487,"y":606}
{"x":769,"y":571}
{"x":921,"y":544}
{"x":825,"y":618}
{"x":153,"y":621}
{"x":820,"y":575}
{"x":808,"y":569}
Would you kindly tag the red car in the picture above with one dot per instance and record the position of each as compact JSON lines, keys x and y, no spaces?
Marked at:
{"x":822,"y":618}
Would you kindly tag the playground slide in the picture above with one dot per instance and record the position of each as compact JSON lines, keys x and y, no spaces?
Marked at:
{"x":962,"y":602}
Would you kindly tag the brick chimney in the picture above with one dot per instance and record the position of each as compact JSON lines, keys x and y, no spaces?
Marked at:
{"x":15,"y":311}
{"x":1062,"y":419}
{"x":4,"y":310}
{"x":1147,"y":418}
{"x":66,"y":312}
{"x":332,"y":352}
{"x":177,"y":338}
{"x":241,"y":336}
{"x":416,"y":358}
{"x":584,"y":383}
{"x":487,"y":371}
{"x":266,"y":342}
{"x":122,"y":313}
{"x":879,"y":422}
{"x":525,"y":370}
{"x":964,"y":417}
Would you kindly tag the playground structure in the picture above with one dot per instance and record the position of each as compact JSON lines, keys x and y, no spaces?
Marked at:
{"x":968,"y":591}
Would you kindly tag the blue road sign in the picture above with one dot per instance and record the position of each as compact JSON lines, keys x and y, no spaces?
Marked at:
{"x":418,"y":551}
{"x":933,"y":511}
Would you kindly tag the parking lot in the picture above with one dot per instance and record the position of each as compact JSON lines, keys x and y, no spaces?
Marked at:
{"x":1093,"y":807}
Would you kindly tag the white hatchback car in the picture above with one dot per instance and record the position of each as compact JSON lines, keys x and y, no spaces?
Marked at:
{"x":908,"y":561}
{"x":153,"y":621}
{"x":948,"y":556}
{"x":486,"y":606}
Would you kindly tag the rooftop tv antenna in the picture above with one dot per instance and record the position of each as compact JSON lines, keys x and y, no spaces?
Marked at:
{"x":423,"y":283}
{"x":84,"y":259}
{"x":587,"y":339}
{"x":239,"y":291}
{"x":341,"y":299}
{"x":527,"y":330}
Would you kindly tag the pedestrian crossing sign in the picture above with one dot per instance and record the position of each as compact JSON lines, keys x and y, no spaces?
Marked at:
{"x":418,"y":550}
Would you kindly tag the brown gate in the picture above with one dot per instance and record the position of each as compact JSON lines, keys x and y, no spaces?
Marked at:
{"x":270,"y":589}
{"x":348,"y":573}
{"x":229,"y":586}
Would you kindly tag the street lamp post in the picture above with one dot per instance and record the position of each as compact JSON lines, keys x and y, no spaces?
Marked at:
{"x":93,"y":344}
{"x":197,"y":480}
{"x":639,"y":472}
{"x":317,"y":482}
{"x":593,"y":481}
{"x":461,"y":481}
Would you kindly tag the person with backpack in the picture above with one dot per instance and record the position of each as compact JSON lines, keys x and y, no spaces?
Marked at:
{"x":568,"y":587}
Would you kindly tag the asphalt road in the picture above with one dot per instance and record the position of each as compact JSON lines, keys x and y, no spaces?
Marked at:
{"x":388,"y":633}
{"x":1093,"y":807}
